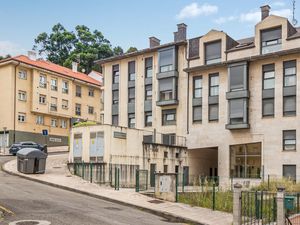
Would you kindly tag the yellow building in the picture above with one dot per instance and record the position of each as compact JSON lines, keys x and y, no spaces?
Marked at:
{"x":38,"y":95}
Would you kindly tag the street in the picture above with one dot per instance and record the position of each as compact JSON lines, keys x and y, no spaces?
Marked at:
{"x":29,"y":200}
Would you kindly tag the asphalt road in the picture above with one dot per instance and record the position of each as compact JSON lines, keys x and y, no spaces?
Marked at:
{"x":29,"y":200}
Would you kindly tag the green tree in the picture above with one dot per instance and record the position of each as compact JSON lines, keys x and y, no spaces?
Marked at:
{"x":118,"y":50}
{"x":4,"y":57}
{"x":83,"y":46}
{"x":132,"y":49}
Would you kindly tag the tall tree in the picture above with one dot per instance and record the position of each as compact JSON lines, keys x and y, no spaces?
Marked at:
{"x":118,"y":50}
{"x":132,"y":49}
{"x":4,"y":57}
{"x":83,"y":45}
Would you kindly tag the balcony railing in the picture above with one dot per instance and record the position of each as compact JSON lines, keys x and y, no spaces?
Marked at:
{"x":164,"y":139}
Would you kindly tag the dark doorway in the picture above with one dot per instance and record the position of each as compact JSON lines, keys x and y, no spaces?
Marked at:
{"x":152,"y":174}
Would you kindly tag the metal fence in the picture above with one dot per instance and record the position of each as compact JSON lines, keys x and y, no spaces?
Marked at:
{"x":141,"y":180}
{"x":93,"y":172}
{"x":292,"y":208}
{"x":258,"y":207}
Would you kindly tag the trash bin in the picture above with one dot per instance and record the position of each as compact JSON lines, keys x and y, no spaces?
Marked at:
{"x":31,"y":161}
{"x":289,"y":202}
{"x":45,"y":149}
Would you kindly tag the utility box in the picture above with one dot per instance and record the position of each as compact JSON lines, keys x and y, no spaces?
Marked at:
{"x":289,"y":202}
{"x":165,"y":186}
{"x":31,"y":161}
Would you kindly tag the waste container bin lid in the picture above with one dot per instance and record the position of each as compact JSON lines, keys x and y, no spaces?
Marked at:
{"x":30,"y":153}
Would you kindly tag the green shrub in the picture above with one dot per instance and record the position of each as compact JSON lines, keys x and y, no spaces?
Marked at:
{"x":288,"y":184}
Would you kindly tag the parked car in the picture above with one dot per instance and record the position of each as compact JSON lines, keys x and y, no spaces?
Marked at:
{"x":14,"y":148}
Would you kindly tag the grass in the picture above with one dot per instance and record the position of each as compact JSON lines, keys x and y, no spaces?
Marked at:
{"x":224,"y":200}
{"x":273,"y":184}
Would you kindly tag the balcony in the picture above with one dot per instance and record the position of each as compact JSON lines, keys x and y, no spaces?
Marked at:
{"x":164,"y":139}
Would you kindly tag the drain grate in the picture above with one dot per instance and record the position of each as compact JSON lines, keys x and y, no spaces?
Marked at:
{"x":156,"y":201}
{"x":112,"y":208}
{"x":28,"y":223}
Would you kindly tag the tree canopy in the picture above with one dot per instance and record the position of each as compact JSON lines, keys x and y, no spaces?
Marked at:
{"x":4,"y":57}
{"x":82,"y":45}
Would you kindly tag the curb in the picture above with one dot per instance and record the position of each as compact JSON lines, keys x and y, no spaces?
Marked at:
{"x":169,"y":216}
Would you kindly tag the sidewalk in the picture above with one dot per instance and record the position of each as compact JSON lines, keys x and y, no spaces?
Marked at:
{"x":51,"y":150}
{"x":57,"y":175}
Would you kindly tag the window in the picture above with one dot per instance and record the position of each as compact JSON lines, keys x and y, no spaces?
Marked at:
{"x":289,"y":172}
{"x":197,"y":87}
{"x":91,"y":92}
{"x":238,"y":77}
{"x":21,"y":117}
{"x":169,"y":117}
{"x":270,"y":40}
{"x":268,"y":76}
{"x":22,"y":95}
{"x":148,"y":119}
{"x":131,"y":120}
{"x":116,"y":74}
{"x":148,"y":92}
{"x":214,"y":84}
{"x":65,"y":104}
{"x":268,"y":107}
{"x":65,"y":87}
{"x":166,"y":60}
{"x":197,"y":114}
{"x":78,"y":91}
{"x":289,"y":71}
{"x":131,"y":71}
{"x":90,"y":109}
{"x":213,"y":52}
{"x":53,"y":105}
{"x":40,"y":120}
{"x":245,"y":160}
{"x":289,"y":140}
{"x":115,"y":120}
{"x":148,"y":67}
{"x":42,"y":99}
{"x":165,"y":154}
{"x":165,"y":168}
{"x":63,"y":123}
{"x":237,"y":108}
{"x":166,"y":89}
{"x":213,"y":112}
{"x":43,"y":81}
{"x":148,"y":139}
{"x":23,"y":74}
{"x":169,"y":139}
{"x":78,"y":109}
{"x":131,"y":95}
{"x":115,"y":95}
{"x":53,"y":122}
{"x":289,"y":105}
{"x":54,"y":84}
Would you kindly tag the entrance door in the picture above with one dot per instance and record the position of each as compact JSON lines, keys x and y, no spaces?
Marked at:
{"x":186,"y":175}
{"x":152,"y":174}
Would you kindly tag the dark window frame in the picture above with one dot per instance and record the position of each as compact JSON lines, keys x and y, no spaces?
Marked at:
{"x":206,"y":44}
{"x":147,"y":88}
{"x":116,"y":74}
{"x":209,"y":113}
{"x":291,"y":112}
{"x":284,"y":139}
{"x":131,"y":116}
{"x":115,"y":100}
{"x":130,"y":73}
{"x":214,"y":86}
{"x":147,"y":67}
{"x":197,"y":120}
{"x":289,"y":75}
{"x":148,"y":124}
{"x":131,"y":99}
{"x":195,"y":78}
{"x":165,"y":113}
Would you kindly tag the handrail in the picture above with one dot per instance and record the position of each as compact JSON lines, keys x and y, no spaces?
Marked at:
{"x":287,"y":220}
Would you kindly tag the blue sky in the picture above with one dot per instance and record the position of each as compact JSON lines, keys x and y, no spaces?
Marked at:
{"x":131,"y":22}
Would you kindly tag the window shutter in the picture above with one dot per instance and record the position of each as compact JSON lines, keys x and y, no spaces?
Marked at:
{"x":213,"y":50}
{"x":269,"y":35}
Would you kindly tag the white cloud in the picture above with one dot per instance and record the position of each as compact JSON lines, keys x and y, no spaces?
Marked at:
{"x":8,"y":47}
{"x":194,"y":10}
{"x":222,"y":20}
{"x":279,"y":4}
{"x":255,"y":16}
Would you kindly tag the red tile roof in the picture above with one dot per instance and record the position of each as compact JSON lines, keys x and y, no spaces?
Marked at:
{"x":55,"y":68}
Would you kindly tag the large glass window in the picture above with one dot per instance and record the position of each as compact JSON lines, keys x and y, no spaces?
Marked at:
{"x":115,"y":120}
{"x":166,"y":60}
{"x":238,"y":77}
{"x":65,"y":87}
{"x":78,"y":91}
{"x":214,"y":84}
{"x":197,"y":114}
{"x":53,"y":104}
{"x":289,"y":105}
{"x":148,"y":67}
{"x":54,"y":84}
{"x":115,"y":97}
{"x":116,"y":74}
{"x":148,"y":119}
{"x":198,"y":87}
{"x":289,"y":71}
{"x":166,"y":89}
{"x":131,"y":71}
{"x":270,"y":40}
{"x":169,"y":117}
{"x":268,"y":76}
{"x":43,"y":81}
{"x":78,"y":109}
{"x":237,"y":109}
{"x":289,"y":140}
{"x":245,"y":160}
{"x":268,"y":107}
{"x":213,"y":52}
{"x":131,"y":95}
{"x":131,"y":120}
{"x":213,"y":112}
{"x":148,"y":92}
{"x":289,"y":172}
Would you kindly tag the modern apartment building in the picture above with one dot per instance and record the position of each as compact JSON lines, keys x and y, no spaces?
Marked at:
{"x":234,"y":103}
{"x":38,"y":95}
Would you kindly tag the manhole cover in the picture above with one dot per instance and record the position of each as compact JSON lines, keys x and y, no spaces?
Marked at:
{"x":112,"y":208}
{"x":156,"y":201}
{"x":30,"y":222}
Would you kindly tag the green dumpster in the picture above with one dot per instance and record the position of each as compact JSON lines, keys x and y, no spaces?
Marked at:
{"x":289,"y":202}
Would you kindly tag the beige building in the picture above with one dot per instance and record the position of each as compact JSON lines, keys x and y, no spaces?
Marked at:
{"x":38,"y":95}
{"x":230,"y":105}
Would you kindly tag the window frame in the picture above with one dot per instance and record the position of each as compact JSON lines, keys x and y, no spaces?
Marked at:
{"x":22,"y":115}
{"x":65,"y":87}
{"x":165,"y":113}
{"x":289,"y":75}
{"x":209,"y":112}
{"x":24,"y":94}
{"x":130,"y":73}
{"x":40,"y":121}
{"x":91,"y":92}
{"x":284,"y":139}
{"x":115,"y":98}
{"x":77,"y":112}
{"x":289,"y":113}
{"x":168,"y":67}
{"x":206,"y":44}
{"x":54,"y":84}
{"x":131,"y":99}
{"x":197,"y":88}
{"x":116,"y":74}
{"x":148,"y":89}
{"x":78,"y":91}
{"x":90,"y":110}
{"x":147,"y":115}
{"x":198,"y":120}
{"x":131,"y":117}
{"x":43,"y":81}
{"x":24,"y":72}
{"x":212,"y":75}
{"x":147,"y":68}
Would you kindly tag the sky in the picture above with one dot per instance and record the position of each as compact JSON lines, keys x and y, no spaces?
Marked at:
{"x":131,"y":22}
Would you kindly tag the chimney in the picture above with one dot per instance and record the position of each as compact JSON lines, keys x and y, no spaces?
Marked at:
{"x":153,"y":42}
{"x":74,"y":66}
{"x":265,"y":11}
{"x":180,"y":34}
{"x":32,"y":55}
